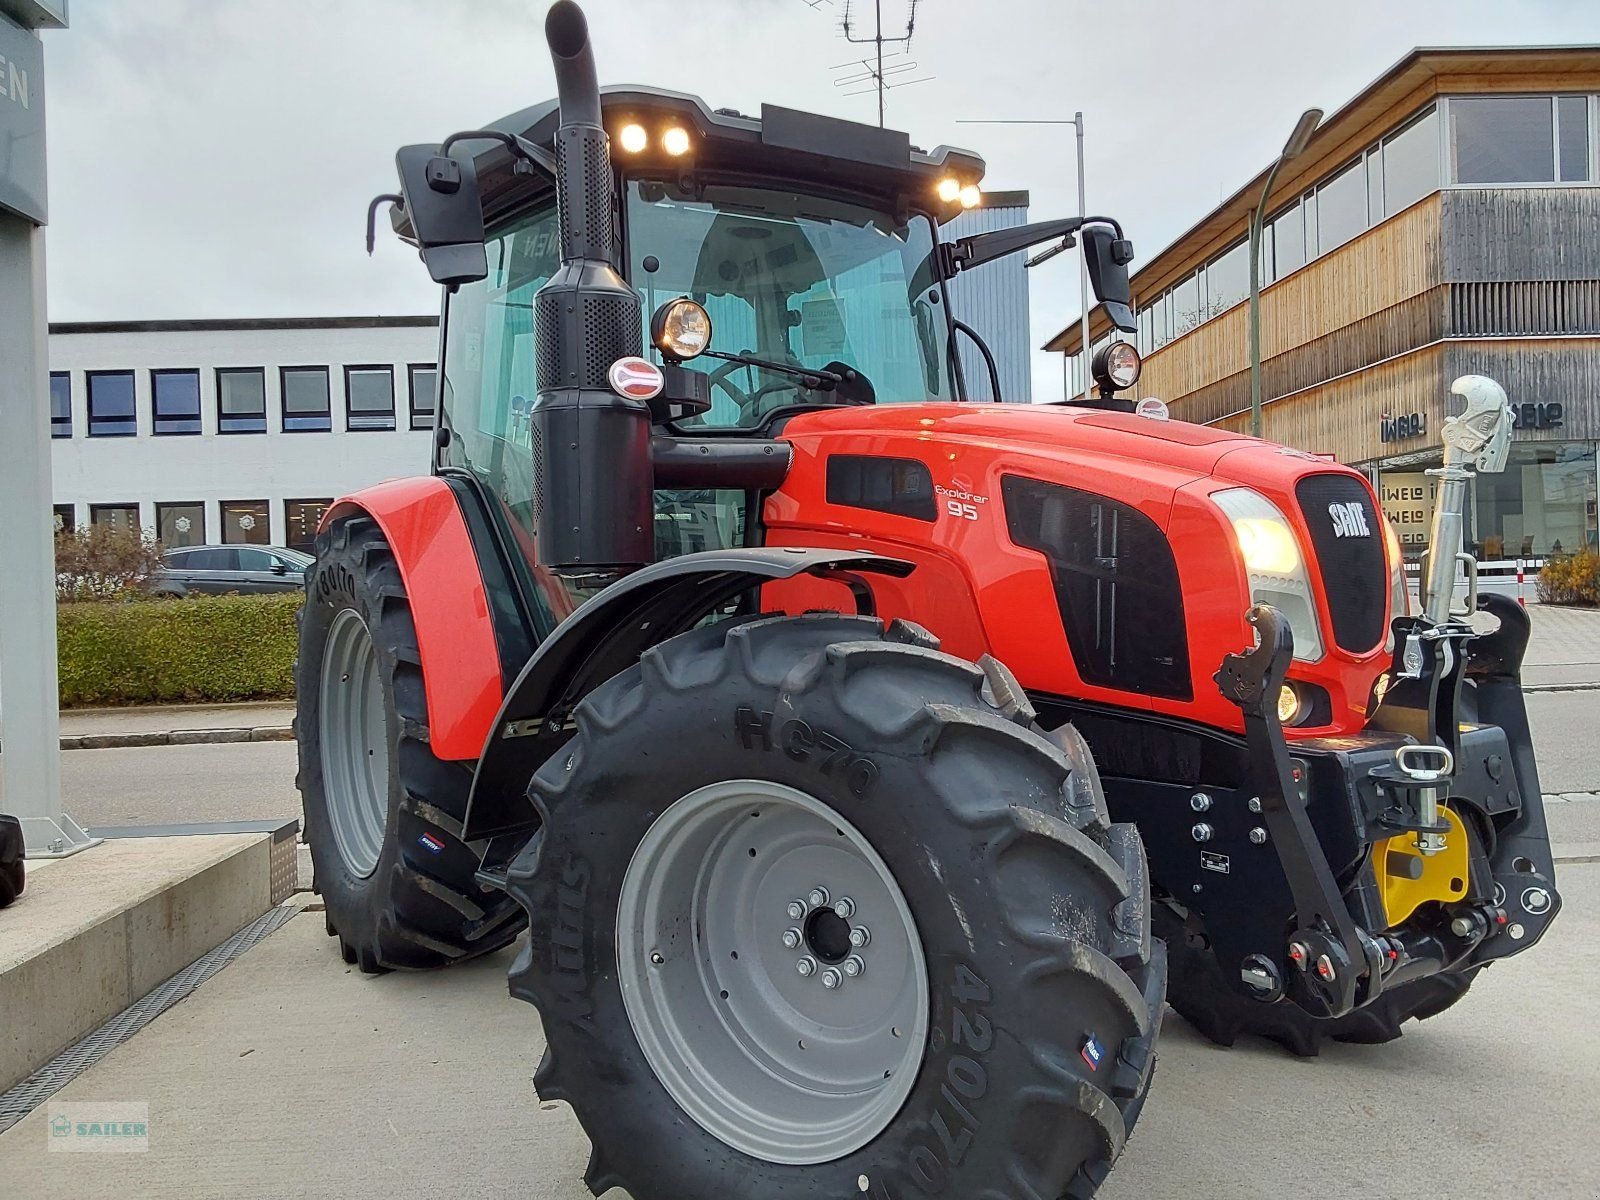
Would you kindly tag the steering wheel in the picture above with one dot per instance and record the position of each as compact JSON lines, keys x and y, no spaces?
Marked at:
{"x":719,"y":378}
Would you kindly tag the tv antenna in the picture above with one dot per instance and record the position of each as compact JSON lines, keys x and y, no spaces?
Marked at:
{"x":881,"y":70}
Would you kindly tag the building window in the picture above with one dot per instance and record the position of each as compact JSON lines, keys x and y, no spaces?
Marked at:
{"x":60,"y":404}
{"x":1186,"y":306}
{"x":424,"y":394}
{"x":111,"y":404}
{"x":1572,"y":138}
{"x":122,"y":517}
{"x":62,"y":518}
{"x":305,"y":400}
{"x":1342,"y":208}
{"x":1543,"y":502}
{"x":245,"y":522}
{"x":175,"y":401}
{"x":300,"y":521}
{"x":369,"y":397}
{"x":1411,"y":163}
{"x":1502,"y":139}
{"x":180,"y":524}
{"x":1228,"y":279}
{"x":241,"y":400}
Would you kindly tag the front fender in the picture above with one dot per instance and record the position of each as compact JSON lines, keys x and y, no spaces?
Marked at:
{"x":423,"y":524}
{"x":608,"y":635}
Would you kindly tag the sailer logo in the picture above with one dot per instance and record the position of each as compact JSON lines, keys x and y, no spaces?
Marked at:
{"x":635,"y":378}
{"x":1349,"y":520}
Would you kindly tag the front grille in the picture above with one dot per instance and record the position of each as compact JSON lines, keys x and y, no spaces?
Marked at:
{"x":1347,"y":534}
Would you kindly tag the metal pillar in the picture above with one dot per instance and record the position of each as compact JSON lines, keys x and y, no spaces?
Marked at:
{"x":30,"y":755}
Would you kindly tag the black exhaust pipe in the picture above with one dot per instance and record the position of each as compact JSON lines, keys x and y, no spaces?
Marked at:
{"x":592,"y":479}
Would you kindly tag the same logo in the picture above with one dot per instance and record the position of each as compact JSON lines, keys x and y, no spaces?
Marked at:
{"x":1349,"y":520}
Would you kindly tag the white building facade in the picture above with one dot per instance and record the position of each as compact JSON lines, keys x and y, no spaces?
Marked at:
{"x":235,"y":430}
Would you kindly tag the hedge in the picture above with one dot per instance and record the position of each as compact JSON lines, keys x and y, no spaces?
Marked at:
{"x":1571,"y":579}
{"x":198,"y":650}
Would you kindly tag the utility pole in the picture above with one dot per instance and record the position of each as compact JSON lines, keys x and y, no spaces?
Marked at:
{"x":1083,"y":211}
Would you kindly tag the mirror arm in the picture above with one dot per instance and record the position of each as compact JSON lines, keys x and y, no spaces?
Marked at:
{"x":372,"y":217}
{"x":980,"y":248}
{"x":519,"y":147}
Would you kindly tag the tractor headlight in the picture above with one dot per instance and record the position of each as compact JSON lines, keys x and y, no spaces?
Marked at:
{"x":633,"y":138}
{"x":1399,"y":589}
{"x":681,"y":329}
{"x":1274,"y":565}
{"x":949,"y":189}
{"x":1290,"y":707}
{"x":1116,"y":366}
{"x":675,"y":141}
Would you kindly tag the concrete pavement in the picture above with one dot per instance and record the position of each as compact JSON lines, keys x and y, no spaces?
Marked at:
{"x":289,"y":1074}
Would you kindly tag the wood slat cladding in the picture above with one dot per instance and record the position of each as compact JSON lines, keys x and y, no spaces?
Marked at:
{"x":1343,"y":416}
{"x":1537,"y":306}
{"x":1394,"y":262}
{"x":1537,"y":370}
{"x":1527,"y":233}
{"x":1407,"y":325}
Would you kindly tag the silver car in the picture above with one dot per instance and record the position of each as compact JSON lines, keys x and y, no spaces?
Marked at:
{"x":215,"y":570}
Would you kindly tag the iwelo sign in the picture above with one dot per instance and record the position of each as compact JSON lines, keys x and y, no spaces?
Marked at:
{"x":22,"y":182}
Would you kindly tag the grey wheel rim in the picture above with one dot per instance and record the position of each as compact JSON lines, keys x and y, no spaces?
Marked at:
{"x":355,"y":744}
{"x":772,"y":972}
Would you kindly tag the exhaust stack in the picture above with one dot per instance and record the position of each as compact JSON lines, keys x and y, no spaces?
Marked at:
{"x":592,"y":478}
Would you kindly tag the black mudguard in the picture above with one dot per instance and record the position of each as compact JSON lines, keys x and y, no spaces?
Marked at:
{"x":608,"y":635}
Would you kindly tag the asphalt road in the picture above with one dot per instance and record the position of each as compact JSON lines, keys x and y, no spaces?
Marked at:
{"x":255,"y":780}
{"x":289,"y":1074}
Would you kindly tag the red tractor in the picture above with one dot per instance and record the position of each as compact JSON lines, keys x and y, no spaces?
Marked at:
{"x":861,"y":759}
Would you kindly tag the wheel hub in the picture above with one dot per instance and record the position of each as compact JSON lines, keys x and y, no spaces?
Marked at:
{"x":776,"y":1017}
{"x":353,"y":736}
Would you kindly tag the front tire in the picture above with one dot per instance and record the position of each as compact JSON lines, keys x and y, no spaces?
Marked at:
{"x":383,"y":815}
{"x":996,"y":1039}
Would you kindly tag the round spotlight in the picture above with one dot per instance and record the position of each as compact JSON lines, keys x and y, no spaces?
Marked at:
{"x":681,"y":329}
{"x":970,"y":196}
{"x":633,"y":138}
{"x":1116,"y":366}
{"x":949,"y":189}
{"x":675,"y":141}
{"x":1290,"y":708}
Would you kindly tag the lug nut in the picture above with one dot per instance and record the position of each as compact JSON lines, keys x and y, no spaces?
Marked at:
{"x":860,"y":935}
{"x":1200,"y":802}
{"x":831,"y":979}
{"x":818,"y":897}
{"x":844,"y":907}
{"x":791,"y":939}
{"x":1258,"y":836}
{"x":807,"y":966}
{"x":797,"y":909}
{"x":1202,"y":832}
{"x":1254,"y":804}
{"x":853,"y":966}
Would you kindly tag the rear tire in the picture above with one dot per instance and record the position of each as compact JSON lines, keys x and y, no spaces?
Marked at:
{"x":12,"y":872}
{"x":1029,"y":914}
{"x":1202,"y":996}
{"x":383,"y":815}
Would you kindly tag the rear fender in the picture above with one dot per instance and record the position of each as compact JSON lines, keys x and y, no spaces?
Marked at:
{"x":422,"y":522}
{"x":608,"y":635}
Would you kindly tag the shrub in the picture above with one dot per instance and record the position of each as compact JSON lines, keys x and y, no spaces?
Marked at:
{"x":103,"y":562}
{"x":1571,"y":579}
{"x":200,"y":649}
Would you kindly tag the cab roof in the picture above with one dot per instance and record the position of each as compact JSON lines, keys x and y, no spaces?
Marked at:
{"x":783,"y":143}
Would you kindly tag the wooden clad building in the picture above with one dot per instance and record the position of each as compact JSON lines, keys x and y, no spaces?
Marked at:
{"x":1444,"y":222}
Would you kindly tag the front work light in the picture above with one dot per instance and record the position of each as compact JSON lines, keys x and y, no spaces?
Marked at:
{"x":681,"y":329}
{"x":1116,"y":366}
{"x":949,"y":189}
{"x":675,"y":141}
{"x":1290,"y":709}
{"x":970,"y":196}
{"x":633,"y":138}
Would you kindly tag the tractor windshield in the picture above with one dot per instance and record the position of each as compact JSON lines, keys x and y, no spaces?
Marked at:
{"x":797,"y":279}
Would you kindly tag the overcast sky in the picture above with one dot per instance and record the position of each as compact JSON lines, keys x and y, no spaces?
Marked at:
{"x":215,"y":159}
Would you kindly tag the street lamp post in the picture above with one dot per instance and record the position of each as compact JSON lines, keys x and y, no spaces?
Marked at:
{"x":1303,"y":130}
{"x":1083,"y":265}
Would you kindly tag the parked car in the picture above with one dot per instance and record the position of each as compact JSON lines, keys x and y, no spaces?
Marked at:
{"x":215,"y":570}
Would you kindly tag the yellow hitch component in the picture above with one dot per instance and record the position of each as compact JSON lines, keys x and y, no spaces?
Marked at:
{"x":1407,"y":880}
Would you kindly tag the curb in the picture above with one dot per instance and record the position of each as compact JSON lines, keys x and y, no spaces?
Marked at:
{"x":177,"y":737}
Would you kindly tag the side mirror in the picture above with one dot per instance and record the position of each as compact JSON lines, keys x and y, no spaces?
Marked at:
{"x":1108,"y":256}
{"x":279,"y":567}
{"x":446,"y":213}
